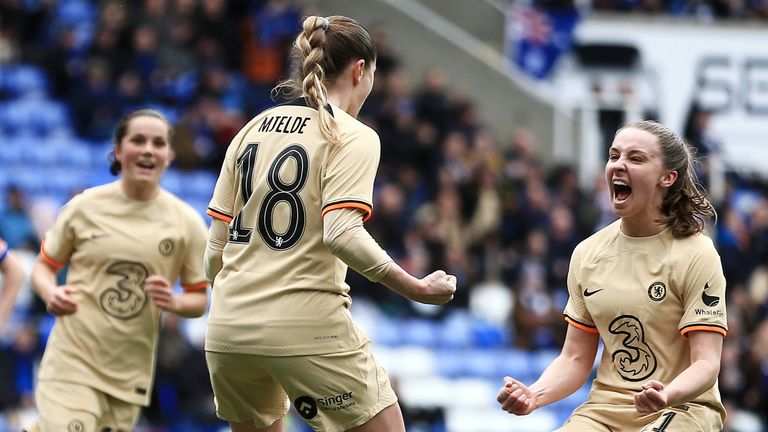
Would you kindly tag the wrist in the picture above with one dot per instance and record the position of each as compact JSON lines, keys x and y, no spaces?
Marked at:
{"x":45,"y":293}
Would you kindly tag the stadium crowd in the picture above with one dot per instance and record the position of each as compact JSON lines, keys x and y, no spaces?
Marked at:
{"x":450,"y":193}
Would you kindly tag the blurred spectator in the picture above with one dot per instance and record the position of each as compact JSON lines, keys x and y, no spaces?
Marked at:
{"x":15,"y":224}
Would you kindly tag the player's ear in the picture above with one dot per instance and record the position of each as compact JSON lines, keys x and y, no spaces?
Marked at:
{"x":117,"y":151}
{"x":668,"y":179}
{"x":358,"y":68}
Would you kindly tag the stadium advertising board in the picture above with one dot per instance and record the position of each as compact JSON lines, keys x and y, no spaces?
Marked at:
{"x":724,"y":68}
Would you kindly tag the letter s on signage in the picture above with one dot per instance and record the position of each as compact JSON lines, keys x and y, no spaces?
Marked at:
{"x":721,"y":89}
{"x":713,"y":88}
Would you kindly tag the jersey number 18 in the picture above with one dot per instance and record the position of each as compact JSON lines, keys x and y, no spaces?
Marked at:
{"x":279,"y":191}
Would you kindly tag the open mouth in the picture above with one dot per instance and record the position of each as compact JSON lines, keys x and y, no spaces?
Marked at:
{"x":145,"y":165}
{"x":621,"y":190}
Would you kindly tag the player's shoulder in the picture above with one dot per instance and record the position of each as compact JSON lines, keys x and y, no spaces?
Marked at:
{"x":352,"y":129}
{"x":599,"y":241}
{"x":95,"y":194}
{"x":692,"y":246}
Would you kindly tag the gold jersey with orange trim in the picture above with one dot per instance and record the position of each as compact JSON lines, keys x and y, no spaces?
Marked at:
{"x":280,"y":291}
{"x":643,"y":295}
{"x":110,"y":245}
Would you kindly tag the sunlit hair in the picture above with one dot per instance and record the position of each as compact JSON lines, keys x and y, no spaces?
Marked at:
{"x":685,"y":205}
{"x":122,"y":128}
{"x":318,"y":57}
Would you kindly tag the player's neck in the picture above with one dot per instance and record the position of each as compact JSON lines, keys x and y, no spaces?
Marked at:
{"x":139,"y":192}
{"x":639,"y":226}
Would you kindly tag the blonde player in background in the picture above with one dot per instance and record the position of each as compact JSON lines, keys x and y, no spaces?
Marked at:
{"x":125,"y":243}
{"x":651,"y":286}
{"x":13,"y":278}
{"x":289,"y":206}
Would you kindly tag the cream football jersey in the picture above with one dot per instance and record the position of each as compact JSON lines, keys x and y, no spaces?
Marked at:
{"x":111,"y":244}
{"x":643,"y":295}
{"x":280,"y":290}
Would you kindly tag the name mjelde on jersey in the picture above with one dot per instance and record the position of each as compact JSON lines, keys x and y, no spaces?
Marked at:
{"x":284,"y":124}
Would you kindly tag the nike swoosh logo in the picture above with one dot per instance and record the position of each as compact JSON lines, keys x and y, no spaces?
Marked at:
{"x":709,"y":300}
{"x":588,"y":293}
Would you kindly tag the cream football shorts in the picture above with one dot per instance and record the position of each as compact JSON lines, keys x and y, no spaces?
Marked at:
{"x":331,"y":392}
{"x":71,"y":407}
{"x":687,"y":417}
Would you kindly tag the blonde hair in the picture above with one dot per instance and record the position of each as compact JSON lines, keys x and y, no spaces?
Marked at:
{"x":685,"y":205}
{"x":323,"y":49}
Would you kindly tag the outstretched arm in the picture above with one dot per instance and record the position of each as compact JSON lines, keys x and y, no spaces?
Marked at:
{"x":13,"y":278}
{"x":705,"y":350}
{"x":345,"y":237}
{"x":562,"y":377}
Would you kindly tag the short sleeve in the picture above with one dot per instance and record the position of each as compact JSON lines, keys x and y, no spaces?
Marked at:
{"x":576,"y":313}
{"x":222,"y":205}
{"x":192,"y":273}
{"x":702,"y":287}
{"x":348,"y":179}
{"x":59,"y":242}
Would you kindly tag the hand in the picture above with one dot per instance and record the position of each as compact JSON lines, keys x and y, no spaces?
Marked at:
{"x":62,"y":300}
{"x":159,"y":290}
{"x":436,"y":288}
{"x":652,"y":398}
{"x":516,"y":398}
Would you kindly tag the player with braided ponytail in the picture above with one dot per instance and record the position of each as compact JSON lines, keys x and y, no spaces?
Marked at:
{"x":288,"y":211}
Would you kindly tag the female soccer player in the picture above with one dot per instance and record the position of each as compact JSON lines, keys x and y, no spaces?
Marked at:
{"x":289,"y":206}
{"x":125,"y":244}
{"x":651,"y":286}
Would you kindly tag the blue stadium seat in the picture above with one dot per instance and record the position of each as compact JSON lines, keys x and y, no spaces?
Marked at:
{"x":50,"y":116}
{"x":24,"y":80}
{"x":515,"y":363}
{"x":172,"y":181}
{"x":36,"y":153}
{"x":488,"y":335}
{"x":31,"y":181}
{"x":198,"y":184}
{"x":64,"y":182}
{"x":71,"y":153}
{"x":386,"y":332}
{"x":34,"y":115}
{"x":450,"y":363}
{"x":99,"y":176}
{"x":99,"y":155}
{"x":12,"y":153}
{"x":420,"y":332}
{"x":481,"y":363}
{"x":541,"y":359}
{"x":73,"y":12}
{"x":456,"y":330}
